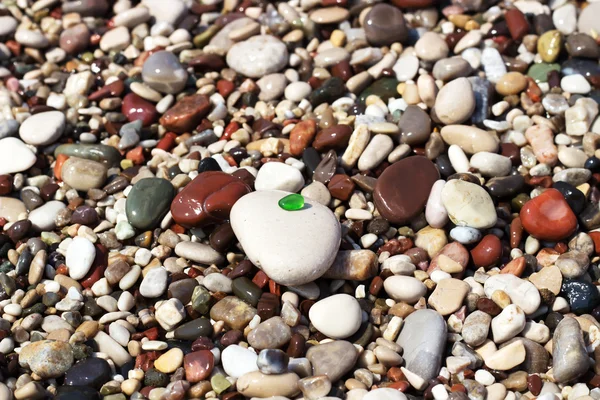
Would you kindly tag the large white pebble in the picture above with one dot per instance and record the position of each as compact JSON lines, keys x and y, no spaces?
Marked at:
{"x":469,"y":204}
{"x":291,"y":247}
{"x":325,"y":315}
{"x":491,"y":164}
{"x":279,"y":176}
{"x":43,"y":218}
{"x":384,"y":394}
{"x":238,"y":360}
{"x":80,"y":256}
{"x":521,"y":292}
{"x":43,"y":128}
{"x":15,"y":156}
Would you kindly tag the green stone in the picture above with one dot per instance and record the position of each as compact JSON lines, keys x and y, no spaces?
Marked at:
{"x":194,"y":329}
{"x":246,"y":290}
{"x":292,"y":202}
{"x":148,"y":202}
{"x":539,"y":71}
{"x":219,"y":383}
{"x":87,"y":57}
{"x":385,"y":88}
{"x":6,"y":267}
{"x":329,"y":91}
{"x":203,"y":38}
{"x":37,"y":308}
{"x":154,"y":377}
{"x":201,"y":300}
{"x":95,"y":152}
{"x":8,"y":284}
{"x":519,"y":201}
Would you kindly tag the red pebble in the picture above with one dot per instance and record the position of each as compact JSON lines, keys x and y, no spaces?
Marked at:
{"x":487,"y":252}
{"x":548,"y":216}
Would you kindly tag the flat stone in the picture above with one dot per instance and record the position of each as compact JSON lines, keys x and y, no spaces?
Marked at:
{"x":11,"y":208}
{"x":234,"y":312}
{"x":468,"y":204}
{"x":448,"y":295}
{"x":354,"y":265}
{"x":82,"y":174}
{"x":208,"y":199}
{"x":521,"y":292}
{"x":476,"y":328}
{"x":258,"y":56}
{"x":44,"y":217}
{"x":90,"y":372}
{"x":80,"y":256}
{"x":415,"y":126}
{"x":148,"y":202}
{"x":588,"y":19}
{"x":186,"y":114}
{"x":471,"y":139}
{"x":47,"y":358}
{"x":413,"y":174}
{"x":423,"y":353}
{"x":238,"y":360}
{"x":270,"y":334}
{"x":96,"y":152}
{"x":302,"y":244}
{"x":258,"y":385}
{"x":384,"y":25}
{"x":569,"y":355}
{"x":333,"y":359}
{"x":75,"y":39}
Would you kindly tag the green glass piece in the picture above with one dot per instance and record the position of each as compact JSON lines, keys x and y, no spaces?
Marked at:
{"x":539,"y":71}
{"x":219,"y":383}
{"x":292,"y":202}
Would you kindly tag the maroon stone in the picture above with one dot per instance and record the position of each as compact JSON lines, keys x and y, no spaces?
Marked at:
{"x":134,"y":108}
{"x":186,"y":114}
{"x":198,"y":365}
{"x":207,"y":199}
{"x":403,"y":188}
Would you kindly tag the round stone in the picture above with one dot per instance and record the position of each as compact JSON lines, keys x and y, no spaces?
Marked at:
{"x":43,"y":128}
{"x":92,"y":372}
{"x":448,"y":109}
{"x":7,"y":25}
{"x":384,"y":25}
{"x":75,"y":39}
{"x":325,"y":315}
{"x":301,"y":245}
{"x":15,"y":156}
{"x":589,"y":22}
{"x":548,"y":216}
{"x":238,"y":360}
{"x":415,"y":175}
{"x":468,"y":204}
{"x":163,"y":72}
{"x":258,"y":56}
{"x":279,"y":176}
{"x":148,"y":202}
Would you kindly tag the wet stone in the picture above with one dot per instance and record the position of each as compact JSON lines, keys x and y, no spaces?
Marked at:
{"x":148,"y":202}
{"x":91,"y":372}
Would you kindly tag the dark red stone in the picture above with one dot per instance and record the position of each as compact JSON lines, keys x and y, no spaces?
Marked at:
{"x":186,"y":114}
{"x":487,"y":252}
{"x":207,"y":199}
{"x":198,"y":365}
{"x":134,"y":108}
{"x":402,"y":190}
{"x":517,"y":23}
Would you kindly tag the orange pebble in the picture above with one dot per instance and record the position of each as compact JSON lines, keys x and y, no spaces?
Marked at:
{"x":136,"y":155}
{"x":60,"y":160}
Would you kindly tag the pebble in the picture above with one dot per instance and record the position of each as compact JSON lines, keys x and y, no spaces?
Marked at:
{"x":47,"y":358}
{"x":272,"y":86}
{"x":491,"y":164}
{"x":154,"y":283}
{"x":258,"y":56}
{"x":80,"y":256}
{"x":43,"y":128}
{"x":468,"y":204}
{"x":279,"y":176}
{"x":508,"y":324}
{"x":82,"y":174}
{"x":257,"y":384}
{"x":238,"y":361}
{"x":15,"y":156}
{"x":384,"y":25}
{"x":326,"y":318}
{"x":587,"y":22}
{"x":576,"y":84}
{"x":404,"y":288}
{"x":423,"y":354}
{"x":431,"y":47}
{"x":569,"y":355}
{"x":163,"y":72}
{"x":548,"y":216}
{"x":469,"y":138}
{"x":29,"y":38}
{"x":148,"y":202}
{"x":294,"y":258}
{"x":116,"y":39}
{"x":522,"y":293}
{"x":8,"y":25}
{"x":333,"y":359}
{"x":390,"y":199}
{"x":44,"y":217}
{"x":447,"y":109}
{"x":448,"y":295}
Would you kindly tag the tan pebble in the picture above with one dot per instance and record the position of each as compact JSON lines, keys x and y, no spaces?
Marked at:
{"x":501,"y":298}
{"x":511,"y":83}
{"x":507,"y":357}
{"x":169,"y":361}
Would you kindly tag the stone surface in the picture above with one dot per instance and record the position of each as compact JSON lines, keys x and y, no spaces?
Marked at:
{"x":450,"y":111}
{"x":186,"y":114}
{"x":258,"y":56}
{"x":270,"y":334}
{"x":82,"y":174}
{"x":163,"y":72}
{"x":569,"y":355}
{"x":148,"y":202}
{"x":47,"y":358}
{"x":468,"y":204}
{"x":43,"y":128}
{"x":415,"y":175}
{"x":332,"y":359}
{"x":448,"y":295}
{"x":208,"y":199}
{"x":301,"y":244}
{"x":326,"y":317}
{"x":548,"y":216}
{"x":423,"y":353}
{"x":15,"y":156}
{"x":384,"y":25}
{"x":234,"y":312}
{"x":91,"y":372}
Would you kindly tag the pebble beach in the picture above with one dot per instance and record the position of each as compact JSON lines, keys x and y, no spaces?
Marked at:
{"x":303,"y":199}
